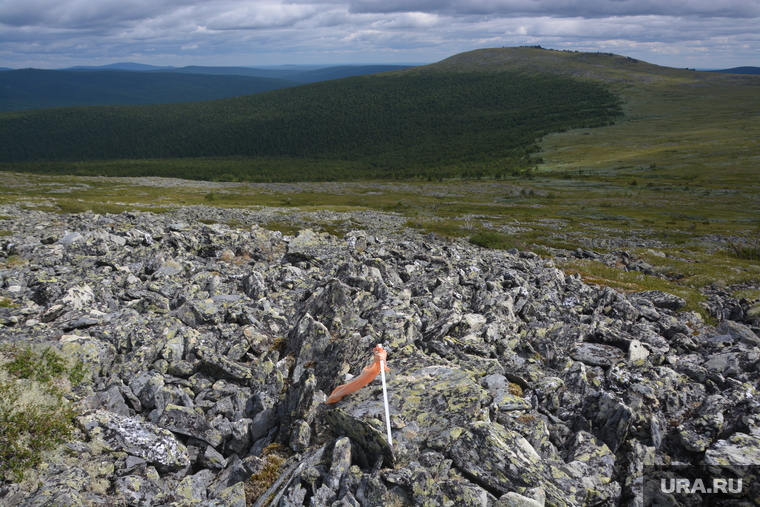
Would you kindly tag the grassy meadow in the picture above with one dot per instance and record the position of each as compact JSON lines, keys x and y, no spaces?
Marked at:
{"x":676,"y":181}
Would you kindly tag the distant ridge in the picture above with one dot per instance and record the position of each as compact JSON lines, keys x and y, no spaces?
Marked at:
{"x":273,"y":73}
{"x":133,"y":84}
{"x":134,"y":67}
{"x":739,"y":70}
{"x":302,"y":74}
{"x":39,"y":89}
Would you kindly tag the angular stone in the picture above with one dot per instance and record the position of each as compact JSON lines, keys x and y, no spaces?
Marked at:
{"x":110,"y":400}
{"x":241,"y":441}
{"x":612,"y":417}
{"x":637,"y":353}
{"x":300,"y":436}
{"x":740,"y":450}
{"x":219,"y":367}
{"x":662,"y":299}
{"x":186,"y":421}
{"x":96,"y":355}
{"x":213,"y":459}
{"x":193,"y":487}
{"x":597,"y":354}
{"x":254,"y":285}
{"x":78,"y":297}
{"x":726,"y":364}
{"x":502,"y":460}
{"x":144,"y":440}
{"x":739,"y":332}
{"x":232,"y":496}
{"x":341,"y":462}
{"x":512,"y":499}
{"x":139,"y":491}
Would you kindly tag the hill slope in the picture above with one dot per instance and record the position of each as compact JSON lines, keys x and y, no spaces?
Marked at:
{"x":739,"y":70}
{"x":36,"y":89}
{"x":400,"y":121}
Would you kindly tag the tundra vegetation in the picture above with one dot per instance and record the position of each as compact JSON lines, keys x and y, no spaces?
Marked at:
{"x":627,"y":160}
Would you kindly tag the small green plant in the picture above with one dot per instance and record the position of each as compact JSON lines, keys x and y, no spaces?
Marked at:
{"x":34,"y":415}
{"x":6,"y":303}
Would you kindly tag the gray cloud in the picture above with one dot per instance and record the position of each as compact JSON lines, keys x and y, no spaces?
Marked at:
{"x":565,"y":8}
{"x":57,"y":33}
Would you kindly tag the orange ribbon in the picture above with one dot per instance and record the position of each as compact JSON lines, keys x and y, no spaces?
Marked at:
{"x":367,"y":375}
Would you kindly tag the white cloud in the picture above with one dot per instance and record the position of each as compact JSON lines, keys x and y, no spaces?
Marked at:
{"x":236,"y":32}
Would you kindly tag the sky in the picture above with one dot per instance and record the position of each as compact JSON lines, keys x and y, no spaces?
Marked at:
{"x":702,"y":34}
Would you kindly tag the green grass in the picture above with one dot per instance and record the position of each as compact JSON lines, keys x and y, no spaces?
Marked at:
{"x":493,"y":240}
{"x":34,"y":415}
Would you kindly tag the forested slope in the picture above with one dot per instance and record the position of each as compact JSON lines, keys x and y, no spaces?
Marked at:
{"x":407,"y":123}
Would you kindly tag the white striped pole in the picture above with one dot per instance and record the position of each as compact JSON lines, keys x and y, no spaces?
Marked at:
{"x":385,"y":400}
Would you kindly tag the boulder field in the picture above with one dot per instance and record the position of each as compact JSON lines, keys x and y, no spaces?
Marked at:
{"x":210,"y":350}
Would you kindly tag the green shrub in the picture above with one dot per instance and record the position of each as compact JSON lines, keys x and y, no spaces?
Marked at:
{"x":493,"y":240}
{"x":34,"y":415}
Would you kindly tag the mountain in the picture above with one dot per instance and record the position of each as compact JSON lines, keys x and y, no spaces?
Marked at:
{"x":740,"y":70}
{"x":419,"y":122}
{"x":36,"y":89}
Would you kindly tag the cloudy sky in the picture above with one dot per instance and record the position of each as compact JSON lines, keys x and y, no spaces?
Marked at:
{"x":676,"y":33}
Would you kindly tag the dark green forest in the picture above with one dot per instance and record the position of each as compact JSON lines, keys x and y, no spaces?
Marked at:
{"x":395,"y":125}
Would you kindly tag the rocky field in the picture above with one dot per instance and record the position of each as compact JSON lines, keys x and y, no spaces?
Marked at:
{"x":209,"y":350}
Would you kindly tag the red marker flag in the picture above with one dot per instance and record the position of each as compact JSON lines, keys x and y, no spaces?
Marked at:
{"x":367,"y":375}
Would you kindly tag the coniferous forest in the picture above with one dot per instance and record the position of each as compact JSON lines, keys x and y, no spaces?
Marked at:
{"x":419,"y":124}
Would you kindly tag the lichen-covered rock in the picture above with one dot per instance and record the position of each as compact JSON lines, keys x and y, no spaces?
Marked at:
{"x":187,"y":421}
{"x":210,"y":348}
{"x":740,"y":449}
{"x":503,"y":461}
{"x":155,"y":445}
{"x":662,"y":299}
{"x":597,"y":354}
